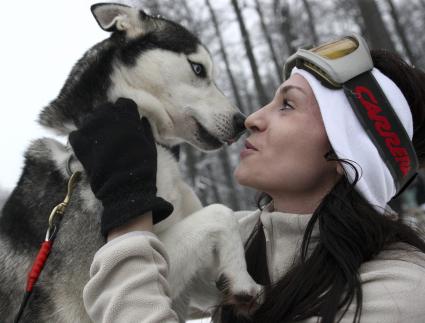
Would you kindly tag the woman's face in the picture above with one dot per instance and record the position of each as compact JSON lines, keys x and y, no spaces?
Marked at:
{"x":290,"y":141}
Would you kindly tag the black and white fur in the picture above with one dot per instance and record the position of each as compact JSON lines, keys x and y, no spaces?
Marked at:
{"x":169,"y":74}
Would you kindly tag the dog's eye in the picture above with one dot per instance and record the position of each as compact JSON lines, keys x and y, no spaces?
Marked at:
{"x":198,"y":69}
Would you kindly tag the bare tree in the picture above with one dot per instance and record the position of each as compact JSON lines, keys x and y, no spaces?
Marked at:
{"x":357,"y":16}
{"x":286,"y":24}
{"x":269,"y":41}
{"x":191,"y":158}
{"x":400,"y":32}
{"x":212,"y":187}
{"x":224,"y":56}
{"x":261,"y":93}
{"x":189,"y":15}
{"x":376,"y":30}
{"x":229,"y":179}
{"x":247,"y":96}
{"x":311,"y":22}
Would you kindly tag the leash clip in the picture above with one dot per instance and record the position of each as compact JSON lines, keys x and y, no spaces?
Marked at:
{"x":51,"y":233}
{"x":60,"y":208}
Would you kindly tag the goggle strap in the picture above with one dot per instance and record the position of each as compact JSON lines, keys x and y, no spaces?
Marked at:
{"x":381,"y":123}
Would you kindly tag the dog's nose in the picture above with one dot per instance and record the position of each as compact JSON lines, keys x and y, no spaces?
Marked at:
{"x":239,"y":122}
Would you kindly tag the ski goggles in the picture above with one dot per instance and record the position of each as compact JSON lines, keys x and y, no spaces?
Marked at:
{"x":346,"y":64}
{"x":333,"y":63}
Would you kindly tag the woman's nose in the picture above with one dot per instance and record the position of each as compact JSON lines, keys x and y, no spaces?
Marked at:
{"x":255,"y":121}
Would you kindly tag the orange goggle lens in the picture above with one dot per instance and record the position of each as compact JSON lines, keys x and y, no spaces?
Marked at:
{"x":336,"y":49}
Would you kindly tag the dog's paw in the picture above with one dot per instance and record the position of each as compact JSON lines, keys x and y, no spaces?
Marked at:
{"x":244,"y":294}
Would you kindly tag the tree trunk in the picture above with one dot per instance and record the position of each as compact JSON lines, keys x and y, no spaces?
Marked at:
{"x":189,"y":17}
{"x":278,"y":68}
{"x":249,"y":99}
{"x":229,"y":179}
{"x":311,"y":22}
{"x":287,"y":27}
{"x":224,"y":152}
{"x":223,"y":52}
{"x":190,"y":164}
{"x":360,"y":22}
{"x":401,"y":33}
{"x":375,"y":28}
{"x":351,"y":8}
{"x":262,"y":96}
{"x":214,"y":190}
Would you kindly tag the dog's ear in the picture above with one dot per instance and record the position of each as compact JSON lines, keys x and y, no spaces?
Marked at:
{"x":119,"y":17}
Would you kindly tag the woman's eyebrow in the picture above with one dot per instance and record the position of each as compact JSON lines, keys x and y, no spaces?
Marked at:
{"x":284,"y":89}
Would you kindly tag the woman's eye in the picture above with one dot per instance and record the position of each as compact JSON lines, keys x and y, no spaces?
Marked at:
{"x":286,"y":105}
{"x":198,"y":69}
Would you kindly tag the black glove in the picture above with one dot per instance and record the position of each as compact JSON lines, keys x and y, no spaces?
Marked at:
{"x":118,"y":153}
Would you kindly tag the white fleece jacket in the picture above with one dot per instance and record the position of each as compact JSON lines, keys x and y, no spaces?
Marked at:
{"x":128,"y":276}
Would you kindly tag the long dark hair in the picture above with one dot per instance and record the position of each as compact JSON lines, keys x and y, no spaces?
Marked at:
{"x":325,"y":280}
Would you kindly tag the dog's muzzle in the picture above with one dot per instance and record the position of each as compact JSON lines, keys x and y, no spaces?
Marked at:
{"x":238,"y":126}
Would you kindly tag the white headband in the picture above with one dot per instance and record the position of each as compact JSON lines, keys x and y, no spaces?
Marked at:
{"x":350,"y":141}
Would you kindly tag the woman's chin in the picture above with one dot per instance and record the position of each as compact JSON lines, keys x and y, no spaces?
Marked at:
{"x":243,"y":178}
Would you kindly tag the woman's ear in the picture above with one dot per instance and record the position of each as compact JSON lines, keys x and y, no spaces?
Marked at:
{"x":339,"y":169}
{"x":330,"y":156}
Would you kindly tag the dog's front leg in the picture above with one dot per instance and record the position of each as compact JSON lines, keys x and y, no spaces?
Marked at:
{"x":206,"y":250}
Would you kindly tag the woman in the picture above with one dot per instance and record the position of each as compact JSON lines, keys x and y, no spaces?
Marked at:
{"x":323,"y":243}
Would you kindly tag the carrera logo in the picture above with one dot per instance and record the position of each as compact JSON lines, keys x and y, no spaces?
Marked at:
{"x":383,"y":127}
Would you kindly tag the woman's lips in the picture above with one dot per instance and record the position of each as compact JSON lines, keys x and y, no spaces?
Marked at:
{"x":249,"y":149}
{"x":248,"y":145}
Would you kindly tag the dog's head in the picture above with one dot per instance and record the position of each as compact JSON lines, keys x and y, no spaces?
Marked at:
{"x":161,"y":66}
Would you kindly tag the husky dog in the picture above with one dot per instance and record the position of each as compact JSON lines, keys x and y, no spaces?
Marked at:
{"x":169,"y":74}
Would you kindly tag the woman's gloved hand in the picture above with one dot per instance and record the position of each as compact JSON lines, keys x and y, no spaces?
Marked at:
{"x":118,"y":153}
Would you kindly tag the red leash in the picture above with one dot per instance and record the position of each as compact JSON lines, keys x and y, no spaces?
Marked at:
{"x":46,"y":246}
{"x":35,"y":272}
{"x":38,"y":265}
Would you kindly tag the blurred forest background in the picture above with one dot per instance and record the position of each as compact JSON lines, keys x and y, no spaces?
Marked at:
{"x":251,"y":39}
